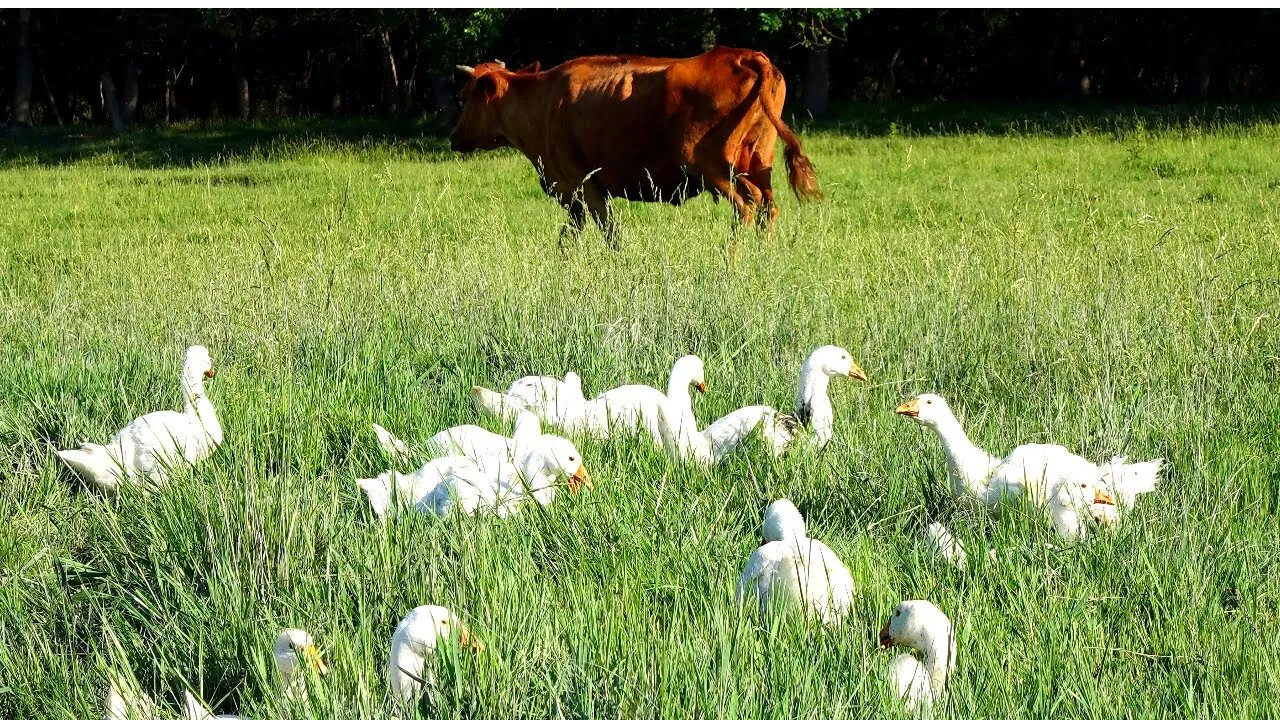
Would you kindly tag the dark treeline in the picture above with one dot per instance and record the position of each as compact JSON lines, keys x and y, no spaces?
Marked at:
{"x":127,"y":67}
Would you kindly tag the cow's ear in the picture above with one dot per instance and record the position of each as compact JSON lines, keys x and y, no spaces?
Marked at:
{"x":533,"y":68}
{"x":487,"y":86}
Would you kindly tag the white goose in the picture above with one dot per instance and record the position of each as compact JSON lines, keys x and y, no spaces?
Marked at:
{"x":1050,"y":476}
{"x":455,"y":482}
{"x":293,"y":650}
{"x":410,"y":667}
{"x":681,"y":438}
{"x":484,"y":446}
{"x":557,"y":402}
{"x":801,"y":571}
{"x":152,"y":444}
{"x":920,"y":625}
{"x":945,"y":546}
{"x":627,"y":407}
{"x":127,"y":701}
{"x":813,"y":404}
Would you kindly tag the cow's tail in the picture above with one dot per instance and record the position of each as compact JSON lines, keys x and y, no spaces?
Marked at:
{"x":800,"y":172}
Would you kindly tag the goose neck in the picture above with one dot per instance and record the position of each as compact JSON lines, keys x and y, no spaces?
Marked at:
{"x":405,"y":666}
{"x":195,"y":402}
{"x":939,"y":659}
{"x":813,"y":403}
{"x":970,"y":464}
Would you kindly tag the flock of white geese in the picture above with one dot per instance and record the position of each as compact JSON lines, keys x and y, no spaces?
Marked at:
{"x":476,"y":471}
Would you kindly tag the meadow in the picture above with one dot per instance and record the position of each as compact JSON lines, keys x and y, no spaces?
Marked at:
{"x":1111,"y":287}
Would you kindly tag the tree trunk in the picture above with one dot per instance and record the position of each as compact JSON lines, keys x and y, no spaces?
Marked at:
{"x":409,"y":88}
{"x":129,"y":90}
{"x":817,"y":81}
{"x":304,"y":86}
{"x":110,"y":101}
{"x":244,"y":104}
{"x":390,"y":78}
{"x":53,"y":102}
{"x":1204,"y":72}
{"x":441,"y":95}
{"x":20,"y":119}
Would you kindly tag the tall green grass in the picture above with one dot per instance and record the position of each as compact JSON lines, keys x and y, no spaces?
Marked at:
{"x":1112,"y":292}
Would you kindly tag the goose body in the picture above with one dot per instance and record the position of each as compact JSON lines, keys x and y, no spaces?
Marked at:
{"x":919,"y":625}
{"x":813,"y":403}
{"x":293,"y":650}
{"x":796,"y":570}
{"x":945,"y":546}
{"x":147,"y":448}
{"x":410,"y":665}
{"x":127,"y":701}
{"x":682,"y":440}
{"x":1051,"y":477}
{"x":483,"y":446}
{"x":556,"y":402}
{"x":459,"y":484}
{"x":629,"y":407}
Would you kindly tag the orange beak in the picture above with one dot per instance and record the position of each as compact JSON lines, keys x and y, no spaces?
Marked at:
{"x":910,"y":408}
{"x":1103,"y":497}
{"x":579,"y":479}
{"x":702,"y":387}
{"x":208,"y":374}
{"x":886,"y":640}
{"x":468,"y":641}
{"x":857,"y":373}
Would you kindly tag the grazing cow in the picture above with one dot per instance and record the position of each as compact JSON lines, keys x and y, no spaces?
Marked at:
{"x":653,"y":129}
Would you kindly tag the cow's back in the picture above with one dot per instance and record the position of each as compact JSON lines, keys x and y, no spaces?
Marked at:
{"x":640,"y":122}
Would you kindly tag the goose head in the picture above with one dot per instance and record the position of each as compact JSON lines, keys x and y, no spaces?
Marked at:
{"x":833,"y":361}
{"x":920,"y":625}
{"x":415,"y":642}
{"x":688,"y":370}
{"x":1072,"y":498}
{"x":293,"y":649}
{"x":196,"y":363}
{"x":557,"y":457}
{"x":783,"y":521}
{"x":428,"y":625}
{"x":927,"y":409}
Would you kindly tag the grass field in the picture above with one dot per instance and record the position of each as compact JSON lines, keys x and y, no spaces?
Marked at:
{"x":1111,"y":288}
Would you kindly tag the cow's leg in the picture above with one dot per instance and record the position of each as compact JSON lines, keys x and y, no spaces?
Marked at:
{"x":597,"y":203}
{"x":728,"y":186}
{"x":572,"y":228}
{"x":761,"y":175}
{"x":751,"y":196}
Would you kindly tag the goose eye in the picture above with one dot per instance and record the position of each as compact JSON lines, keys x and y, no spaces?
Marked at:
{"x":572,"y":458}
{"x":928,"y":402}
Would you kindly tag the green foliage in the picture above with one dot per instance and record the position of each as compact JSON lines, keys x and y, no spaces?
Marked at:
{"x":1055,"y":288}
{"x":813,"y":27}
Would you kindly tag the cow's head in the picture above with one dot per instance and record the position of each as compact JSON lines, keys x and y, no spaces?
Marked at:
{"x":480,"y":126}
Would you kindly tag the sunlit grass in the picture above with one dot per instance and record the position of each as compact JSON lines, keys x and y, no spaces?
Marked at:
{"x":1113,"y":292}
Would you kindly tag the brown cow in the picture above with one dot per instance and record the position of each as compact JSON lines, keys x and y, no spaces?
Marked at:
{"x":654,"y":129}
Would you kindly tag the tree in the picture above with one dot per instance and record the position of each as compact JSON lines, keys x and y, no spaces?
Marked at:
{"x":816,"y":30}
{"x":20,"y":117}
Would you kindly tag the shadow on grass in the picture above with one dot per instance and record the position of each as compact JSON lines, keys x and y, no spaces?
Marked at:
{"x":1049,"y":120}
{"x":188,"y":145}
